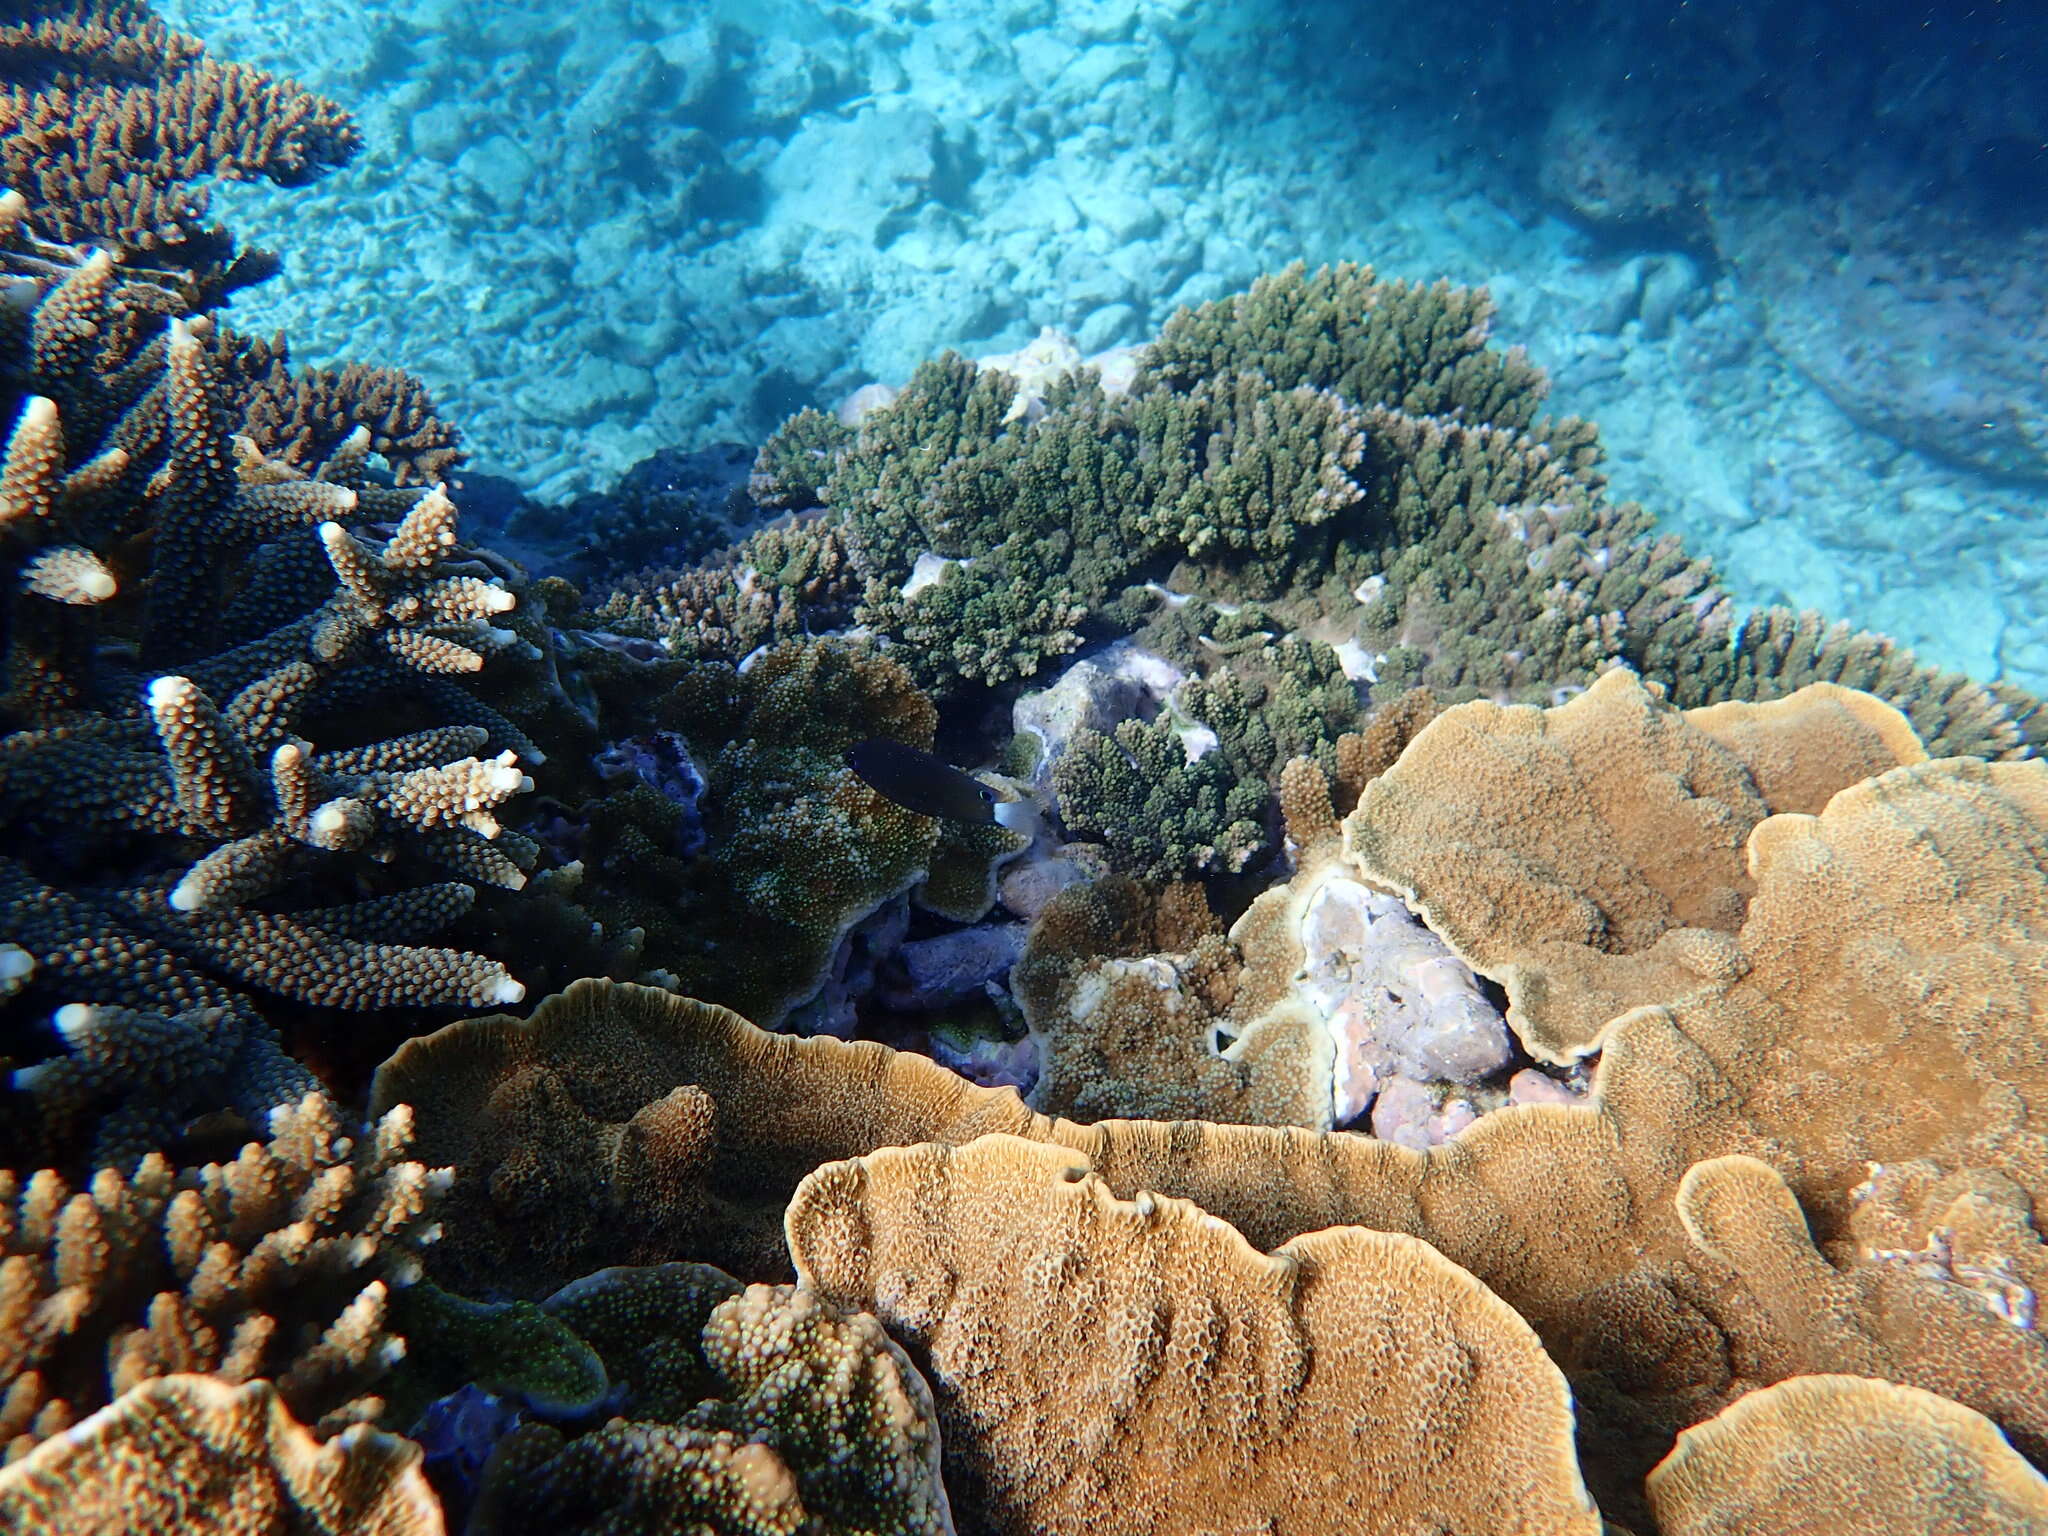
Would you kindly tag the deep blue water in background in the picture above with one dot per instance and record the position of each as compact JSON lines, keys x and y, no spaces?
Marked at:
{"x":1789,"y":256}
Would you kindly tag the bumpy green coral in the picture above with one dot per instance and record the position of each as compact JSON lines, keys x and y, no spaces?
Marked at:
{"x":961,"y":882}
{"x":761,"y":1412}
{"x":646,"y":1324}
{"x":780,"y":583}
{"x":506,"y":1347}
{"x":800,"y":849}
{"x":1161,"y":813}
{"x":1278,"y":699}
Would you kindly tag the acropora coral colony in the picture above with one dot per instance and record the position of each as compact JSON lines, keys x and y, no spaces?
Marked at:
{"x":1471,"y":1036}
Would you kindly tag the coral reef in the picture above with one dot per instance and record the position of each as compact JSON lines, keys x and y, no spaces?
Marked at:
{"x":1664,"y":1296}
{"x":1496,"y":1030}
{"x":192,"y":617}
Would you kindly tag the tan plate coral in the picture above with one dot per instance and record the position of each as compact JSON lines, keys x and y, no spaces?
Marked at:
{"x":1885,"y":999}
{"x":1850,"y":1456}
{"x":1589,"y":857}
{"x":1107,"y":1366}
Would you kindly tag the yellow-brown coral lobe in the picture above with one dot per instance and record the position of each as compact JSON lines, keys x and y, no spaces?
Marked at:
{"x":1107,"y":1365}
{"x":1849,"y":1456}
{"x":189,"y":1453}
{"x":1589,"y":857}
{"x":624,"y":1124}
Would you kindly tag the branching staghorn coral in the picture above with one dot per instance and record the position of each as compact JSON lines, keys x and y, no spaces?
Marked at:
{"x":302,"y":417}
{"x":112,"y":117}
{"x":185,"y":843}
{"x":275,"y":1266}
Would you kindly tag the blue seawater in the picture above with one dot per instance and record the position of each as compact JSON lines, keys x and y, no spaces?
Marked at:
{"x":1788,"y":256}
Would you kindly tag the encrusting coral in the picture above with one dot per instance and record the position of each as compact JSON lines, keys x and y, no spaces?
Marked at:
{"x":186,"y":1452}
{"x":277,"y":1265}
{"x":1133,"y":1365}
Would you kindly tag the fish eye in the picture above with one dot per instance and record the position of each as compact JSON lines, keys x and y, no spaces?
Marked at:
{"x":988,"y":796}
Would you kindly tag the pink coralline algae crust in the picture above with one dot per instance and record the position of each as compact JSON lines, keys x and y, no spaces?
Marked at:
{"x":1403,"y":1012}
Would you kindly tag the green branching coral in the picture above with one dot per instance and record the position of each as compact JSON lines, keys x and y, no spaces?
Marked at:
{"x":1237,"y":473}
{"x":1418,"y":348}
{"x":780,"y":583}
{"x":1269,"y":694}
{"x":992,"y":621}
{"x":1162,"y":812}
{"x":792,"y":467}
{"x":888,"y":483}
{"x":989,"y":537}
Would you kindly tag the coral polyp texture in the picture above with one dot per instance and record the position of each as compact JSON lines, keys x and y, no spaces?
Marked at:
{"x":1458,"y":1027}
{"x":186,"y":1448}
